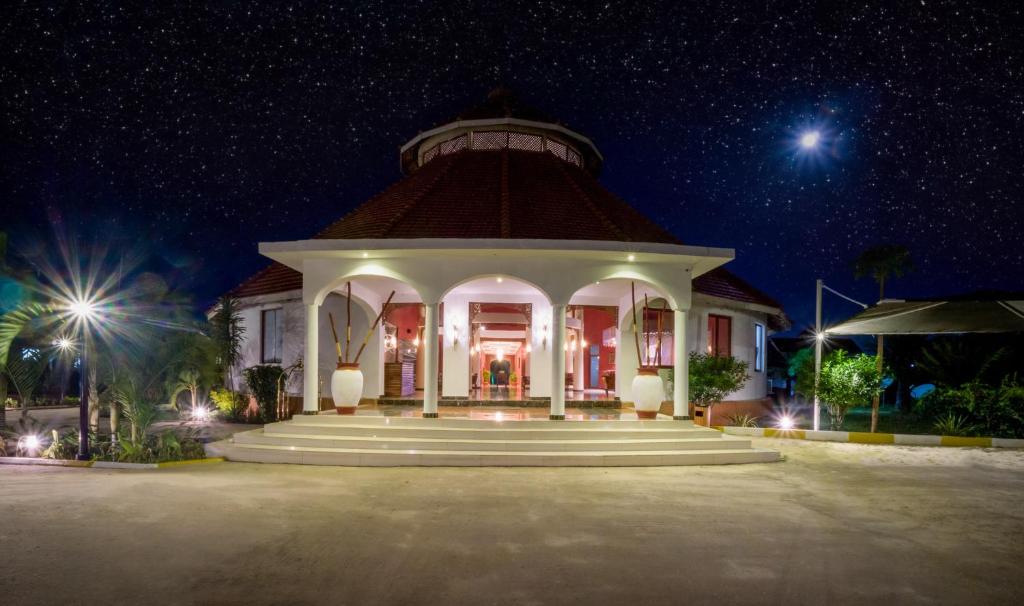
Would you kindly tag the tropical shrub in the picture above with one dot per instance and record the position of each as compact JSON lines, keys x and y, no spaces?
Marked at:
{"x":953,"y":425}
{"x":712,"y":378}
{"x":743,"y":420}
{"x":847,"y":381}
{"x":990,"y":410}
{"x":263,"y":384}
{"x":230,"y":405}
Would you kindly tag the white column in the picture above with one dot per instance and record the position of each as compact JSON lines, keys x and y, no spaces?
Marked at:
{"x":311,"y":362}
{"x":557,"y":362}
{"x":681,"y":368}
{"x":430,"y":361}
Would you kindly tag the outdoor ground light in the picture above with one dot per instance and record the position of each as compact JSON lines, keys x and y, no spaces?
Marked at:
{"x":29,"y":445}
{"x":786,"y":422}
{"x":201,"y":414}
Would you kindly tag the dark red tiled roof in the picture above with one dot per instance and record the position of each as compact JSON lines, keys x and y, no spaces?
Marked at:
{"x":271,"y":279}
{"x":720,"y":282}
{"x":498,"y":194}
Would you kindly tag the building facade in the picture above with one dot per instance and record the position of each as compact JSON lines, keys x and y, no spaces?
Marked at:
{"x":512,"y":275}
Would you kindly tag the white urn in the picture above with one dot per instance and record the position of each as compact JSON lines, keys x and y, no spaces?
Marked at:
{"x":347,"y":387}
{"x":648,"y":393}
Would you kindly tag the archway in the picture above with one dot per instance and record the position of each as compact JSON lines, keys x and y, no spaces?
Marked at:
{"x":495,"y":347}
{"x":614,"y":349}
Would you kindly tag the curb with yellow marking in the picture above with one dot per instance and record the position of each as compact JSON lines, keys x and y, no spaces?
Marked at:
{"x":859,"y":437}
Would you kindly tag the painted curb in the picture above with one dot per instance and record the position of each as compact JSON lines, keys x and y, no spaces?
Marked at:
{"x":166,"y":464}
{"x":860,"y":437}
{"x":38,"y":461}
{"x":102,"y":464}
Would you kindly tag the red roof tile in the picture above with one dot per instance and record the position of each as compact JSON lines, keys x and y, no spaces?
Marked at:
{"x":498,"y":194}
{"x":720,"y":282}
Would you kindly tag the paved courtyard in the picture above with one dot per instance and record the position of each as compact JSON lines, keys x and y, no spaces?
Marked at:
{"x":834,"y":524}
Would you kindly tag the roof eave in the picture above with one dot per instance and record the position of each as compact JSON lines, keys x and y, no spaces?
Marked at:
{"x":292,"y":253}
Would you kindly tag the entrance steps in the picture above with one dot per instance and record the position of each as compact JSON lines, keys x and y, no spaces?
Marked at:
{"x":399,"y":441}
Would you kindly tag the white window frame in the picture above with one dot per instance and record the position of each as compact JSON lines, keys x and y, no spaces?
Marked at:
{"x":760,"y":343}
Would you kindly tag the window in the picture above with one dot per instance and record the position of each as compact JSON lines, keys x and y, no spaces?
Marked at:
{"x":719,"y":335}
{"x":758,"y":347}
{"x":271,"y":336}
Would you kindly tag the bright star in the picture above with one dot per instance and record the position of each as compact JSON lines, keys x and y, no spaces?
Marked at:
{"x":810,"y":139}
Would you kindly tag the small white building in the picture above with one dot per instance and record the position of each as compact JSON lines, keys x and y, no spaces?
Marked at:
{"x":511,"y":268}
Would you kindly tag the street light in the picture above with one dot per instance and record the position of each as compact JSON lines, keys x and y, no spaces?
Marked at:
{"x":84,"y":311}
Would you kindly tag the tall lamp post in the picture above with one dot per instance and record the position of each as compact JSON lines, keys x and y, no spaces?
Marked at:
{"x":84,"y":312}
{"x":819,"y":339}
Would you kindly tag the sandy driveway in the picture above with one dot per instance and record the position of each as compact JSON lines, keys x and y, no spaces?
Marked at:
{"x":835,"y":523}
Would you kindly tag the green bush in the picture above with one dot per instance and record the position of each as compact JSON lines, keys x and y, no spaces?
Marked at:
{"x":989,"y":410}
{"x":712,"y":378}
{"x":262,"y":381}
{"x":743,"y":420}
{"x":847,"y":381}
{"x":230,"y":405}
{"x":953,"y":425}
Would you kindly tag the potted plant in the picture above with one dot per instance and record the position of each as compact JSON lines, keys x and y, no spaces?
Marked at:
{"x":712,"y":378}
{"x":347,"y":379}
{"x":648,"y":388}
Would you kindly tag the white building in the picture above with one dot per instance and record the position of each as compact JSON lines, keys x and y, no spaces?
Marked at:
{"x":511,"y":268}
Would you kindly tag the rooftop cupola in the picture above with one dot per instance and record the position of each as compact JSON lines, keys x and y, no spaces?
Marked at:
{"x":502,"y":122}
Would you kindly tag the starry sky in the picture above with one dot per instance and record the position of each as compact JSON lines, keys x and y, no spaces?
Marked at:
{"x":195,"y":133}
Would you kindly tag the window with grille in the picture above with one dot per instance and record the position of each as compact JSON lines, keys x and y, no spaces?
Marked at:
{"x":719,"y":335}
{"x":490,"y":140}
{"x":271,"y":336}
{"x":556,"y":148}
{"x":525,"y":142}
{"x":430,"y":154}
{"x":453,"y":145}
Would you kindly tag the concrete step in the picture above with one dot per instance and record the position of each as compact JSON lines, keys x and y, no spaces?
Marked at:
{"x":532,"y":430}
{"x":388,"y":441}
{"x":469,"y":458}
{"x":581,"y":425}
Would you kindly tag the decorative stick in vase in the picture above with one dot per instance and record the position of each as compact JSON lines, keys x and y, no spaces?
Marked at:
{"x":337,"y":345}
{"x":369,"y":333}
{"x":348,"y":319}
{"x":636,"y":335}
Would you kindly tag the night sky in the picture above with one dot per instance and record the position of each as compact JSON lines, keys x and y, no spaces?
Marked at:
{"x":195,"y":133}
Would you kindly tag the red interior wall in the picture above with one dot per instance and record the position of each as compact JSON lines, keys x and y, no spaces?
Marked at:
{"x":595,"y":320}
{"x":406,"y":319}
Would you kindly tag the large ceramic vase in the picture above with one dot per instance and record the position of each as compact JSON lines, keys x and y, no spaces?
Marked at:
{"x":347,"y":388}
{"x":648,"y":393}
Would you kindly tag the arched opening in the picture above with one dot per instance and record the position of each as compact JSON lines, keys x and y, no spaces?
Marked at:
{"x":389,"y":354}
{"x":610,"y":349}
{"x":494,"y":343}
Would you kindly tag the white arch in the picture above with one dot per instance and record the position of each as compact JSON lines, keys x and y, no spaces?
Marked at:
{"x":503,"y":276}
{"x":365,"y":271}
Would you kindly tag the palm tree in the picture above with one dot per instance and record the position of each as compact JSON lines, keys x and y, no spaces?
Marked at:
{"x":881,"y":263}
{"x":227,"y":329}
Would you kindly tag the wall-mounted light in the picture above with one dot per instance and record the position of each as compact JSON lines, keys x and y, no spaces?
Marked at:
{"x":455,"y":336}
{"x":416,"y":341}
{"x":500,"y":279}
{"x":366,"y":254}
{"x":631,"y":258}
{"x":529,"y":348}
{"x":544,"y":337}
